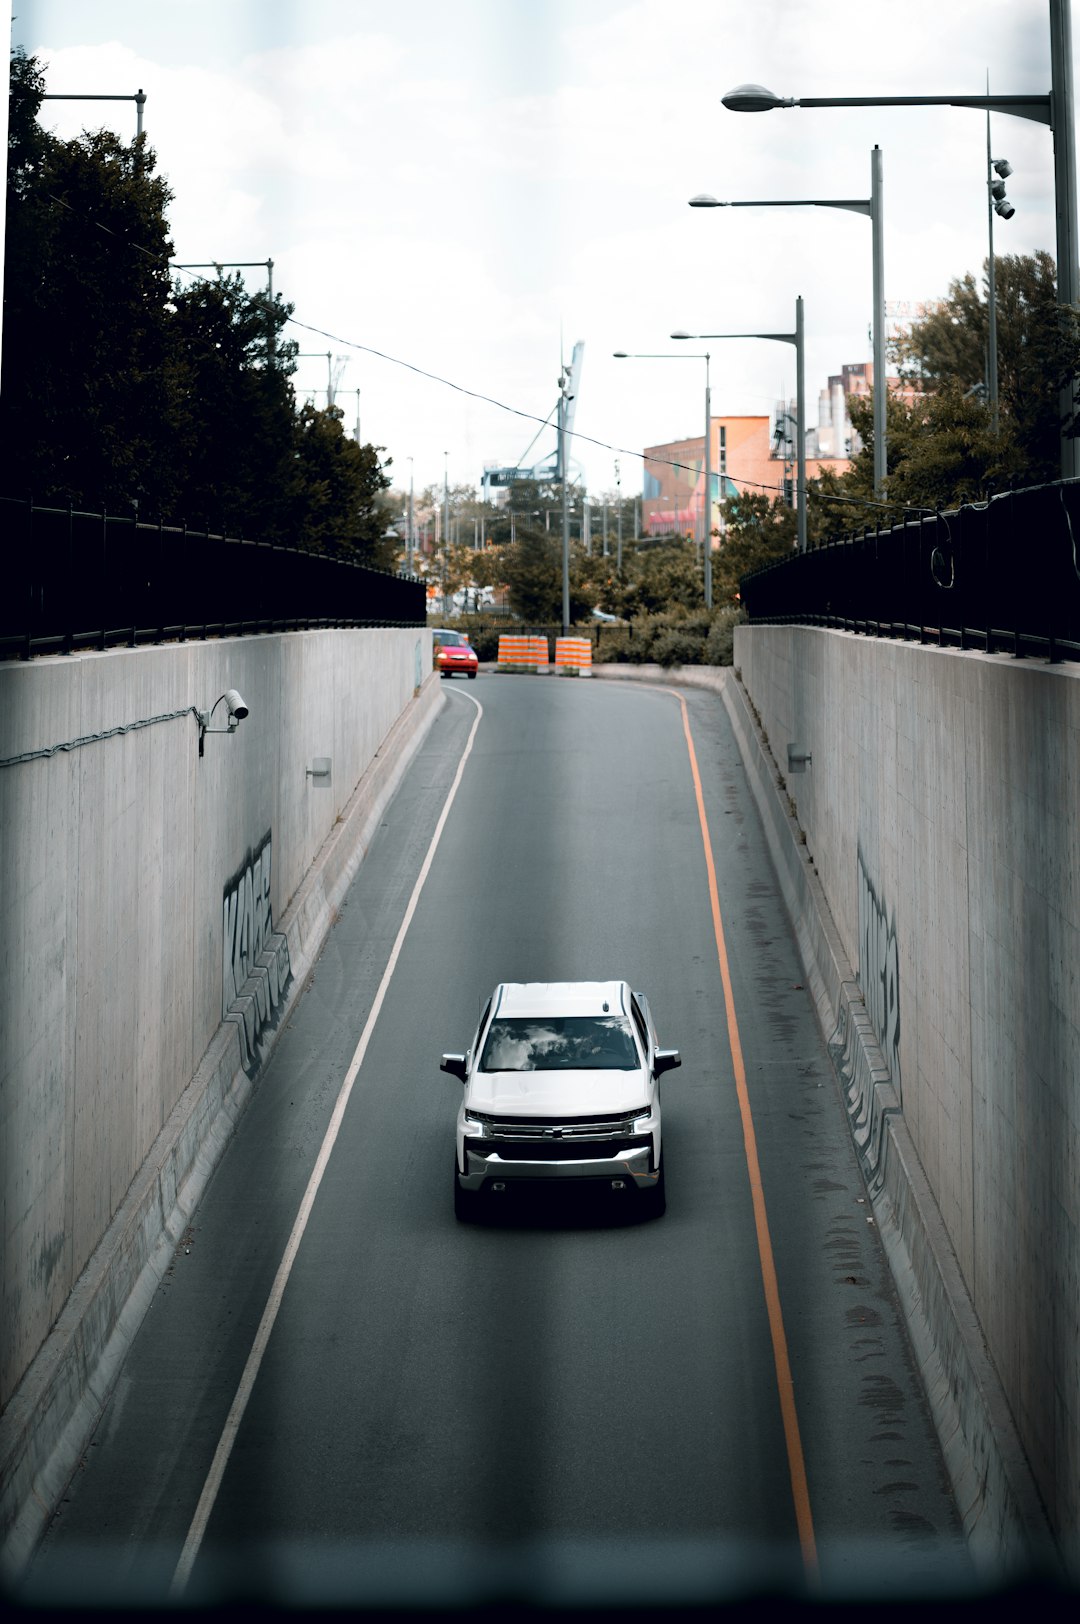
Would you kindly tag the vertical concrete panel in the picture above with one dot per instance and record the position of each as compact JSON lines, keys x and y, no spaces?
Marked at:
{"x":957,"y":776}
{"x":38,"y":861}
{"x":114,"y":857}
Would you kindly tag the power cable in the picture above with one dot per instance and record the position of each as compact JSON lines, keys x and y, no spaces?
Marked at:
{"x":491,"y":400}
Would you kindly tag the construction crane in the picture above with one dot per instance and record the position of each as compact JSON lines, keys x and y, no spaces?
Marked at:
{"x":546,"y":472}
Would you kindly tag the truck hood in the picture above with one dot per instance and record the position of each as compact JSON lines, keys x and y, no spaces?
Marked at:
{"x":557,"y":1093}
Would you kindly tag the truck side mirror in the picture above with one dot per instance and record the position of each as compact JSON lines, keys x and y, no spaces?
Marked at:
{"x":454,"y":1064}
{"x":665,"y":1060}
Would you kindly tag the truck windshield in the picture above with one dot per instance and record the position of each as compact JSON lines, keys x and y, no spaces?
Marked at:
{"x":560,"y":1043}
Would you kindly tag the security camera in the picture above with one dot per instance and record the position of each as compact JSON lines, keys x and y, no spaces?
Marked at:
{"x":1003,"y":167}
{"x":1005,"y":209}
{"x":997,"y":189}
{"x":236,"y":706}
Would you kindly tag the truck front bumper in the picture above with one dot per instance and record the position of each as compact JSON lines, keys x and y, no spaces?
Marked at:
{"x":511,"y":1164}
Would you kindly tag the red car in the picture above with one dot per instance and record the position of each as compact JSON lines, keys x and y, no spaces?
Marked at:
{"x":453,"y":654}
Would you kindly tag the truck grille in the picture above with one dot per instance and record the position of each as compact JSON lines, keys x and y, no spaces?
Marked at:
{"x":545,"y":1130}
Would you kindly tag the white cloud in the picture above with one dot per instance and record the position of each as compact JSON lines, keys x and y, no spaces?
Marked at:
{"x":454,"y":195}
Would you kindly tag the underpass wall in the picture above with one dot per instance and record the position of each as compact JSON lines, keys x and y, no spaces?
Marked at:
{"x":142,"y":892}
{"x":938,"y":813}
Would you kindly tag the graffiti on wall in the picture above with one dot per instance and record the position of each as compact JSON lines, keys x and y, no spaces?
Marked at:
{"x":255,"y":968}
{"x":879,"y":968}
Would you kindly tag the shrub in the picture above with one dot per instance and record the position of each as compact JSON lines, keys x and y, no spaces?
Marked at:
{"x":677,"y":646}
{"x":720,"y":643}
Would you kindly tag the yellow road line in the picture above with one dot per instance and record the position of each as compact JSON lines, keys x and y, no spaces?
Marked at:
{"x":785,"y":1386}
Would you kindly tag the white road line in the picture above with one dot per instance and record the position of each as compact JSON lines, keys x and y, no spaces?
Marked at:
{"x":270,"y":1312}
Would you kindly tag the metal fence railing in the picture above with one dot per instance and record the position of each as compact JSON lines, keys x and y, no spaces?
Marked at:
{"x":76,"y":580}
{"x":1001,"y":575}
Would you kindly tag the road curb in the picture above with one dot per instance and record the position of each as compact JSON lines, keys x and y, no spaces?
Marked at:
{"x":1003,"y":1517}
{"x":47,"y":1424}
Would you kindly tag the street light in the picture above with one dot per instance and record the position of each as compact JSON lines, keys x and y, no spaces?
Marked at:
{"x":565,"y":398}
{"x":1055,"y":109}
{"x":706,"y":508}
{"x":871,"y":206}
{"x":795,"y":338}
{"x":220,"y":265}
{"x":139,"y":99}
{"x":410,"y":541}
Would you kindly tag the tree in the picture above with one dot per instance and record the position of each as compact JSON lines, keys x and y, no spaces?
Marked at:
{"x":1038,"y":344}
{"x":663,"y":576}
{"x":758,"y":529}
{"x":532,"y":567}
{"x":234,"y":418}
{"x":941,"y":451}
{"x":336,"y":489}
{"x":123,"y":389}
{"x":87,"y":363}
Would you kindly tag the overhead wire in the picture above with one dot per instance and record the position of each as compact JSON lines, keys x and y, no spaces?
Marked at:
{"x":491,"y":400}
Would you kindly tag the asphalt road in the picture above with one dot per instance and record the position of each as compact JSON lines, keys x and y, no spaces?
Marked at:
{"x":563,"y":1402}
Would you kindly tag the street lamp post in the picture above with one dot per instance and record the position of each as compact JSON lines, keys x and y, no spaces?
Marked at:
{"x":410,"y":542}
{"x":872,"y":207}
{"x":446,"y":525}
{"x":1055,"y":109}
{"x":795,"y":338}
{"x":706,"y":507}
{"x":139,"y":99}
{"x":220,"y":265}
{"x":561,"y":463}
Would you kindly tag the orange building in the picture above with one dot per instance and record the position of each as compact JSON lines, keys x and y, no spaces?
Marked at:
{"x":743,"y":459}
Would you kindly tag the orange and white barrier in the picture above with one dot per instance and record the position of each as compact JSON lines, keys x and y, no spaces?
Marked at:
{"x":573,"y":657}
{"x":522,"y":652}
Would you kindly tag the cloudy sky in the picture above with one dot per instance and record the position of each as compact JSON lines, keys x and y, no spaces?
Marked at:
{"x":465,"y":186}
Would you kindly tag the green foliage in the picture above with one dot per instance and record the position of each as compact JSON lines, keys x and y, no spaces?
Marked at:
{"x":232,"y":412}
{"x":124,"y":389}
{"x":757,"y":529}
{"x":656,"y":577}
{"x":87,"y":364}
{"x":335,"y":491}
{"x":1038,"y":345}
{"x":942,"y":449}
{"x":669,"y":639}
{"x":532,"y":569}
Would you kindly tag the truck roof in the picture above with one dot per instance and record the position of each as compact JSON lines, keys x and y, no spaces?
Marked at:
{"x":523,"y":998}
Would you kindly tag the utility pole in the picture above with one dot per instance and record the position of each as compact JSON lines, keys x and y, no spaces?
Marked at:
{"x":446,"y":526}
{"x":618,"y":519}
{"x":562,"y":461}
{"x":220,"y":265}
{"x":410,"y":542}
{"x":707,"y":527}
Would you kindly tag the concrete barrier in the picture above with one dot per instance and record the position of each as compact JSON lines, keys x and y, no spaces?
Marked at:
{"x":996,"y":1488}
{"x":573,"y":657}
{"x":940,"y":815}
{"x":166,"y":909}
{"x":521,"y":652}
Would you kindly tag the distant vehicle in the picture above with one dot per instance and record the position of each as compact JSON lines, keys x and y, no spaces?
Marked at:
{"x":471,"y":599}
{"x":561,"y":1083}
{"x":453,"y":654}
{"x":608,"y":620}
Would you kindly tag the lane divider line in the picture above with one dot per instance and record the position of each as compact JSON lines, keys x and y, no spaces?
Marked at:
{"x":262,"y":1337}
{"x":785,"y":1386}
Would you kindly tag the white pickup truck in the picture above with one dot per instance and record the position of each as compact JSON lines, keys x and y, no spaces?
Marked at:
{"x":561,"y":1082}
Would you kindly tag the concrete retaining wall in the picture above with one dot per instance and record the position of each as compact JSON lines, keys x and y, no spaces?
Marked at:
{"x":158,"y":910}
{"x":937,"y":820}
